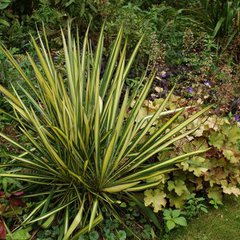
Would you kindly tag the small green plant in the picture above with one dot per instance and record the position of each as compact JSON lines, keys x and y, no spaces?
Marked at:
{"x":195,"y":205}
{"x":215,"y":203}
{"x":21,"y":234}
{"x":173,"y":218}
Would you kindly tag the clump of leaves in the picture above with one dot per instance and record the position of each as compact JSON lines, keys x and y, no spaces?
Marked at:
{"x":22,"y":234}
{"x":195,"y":205}
{"x":156,"y":198}
{"x":173,"y":218}
{"x":213,"y":173}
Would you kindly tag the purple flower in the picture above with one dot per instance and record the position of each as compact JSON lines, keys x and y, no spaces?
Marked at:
{"x":190,"y":90}
{"x":163,"y":74}
{"x":237,"y":118}
{"x":207,"y":83}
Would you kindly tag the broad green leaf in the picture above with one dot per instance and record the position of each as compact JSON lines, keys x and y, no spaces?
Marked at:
{"x":181,"y":221}
{"x":155,"y":198}
{"x":215,"y":193}
{"x":234,"y":134}
{"x":230,"y":156}
{"x":178,"y":186}
{"x":170,"y":224}
{"x":21,"y":234}
{"x":196,"y":164}
{"x":176,"y":213}
{"x":217,"y":139}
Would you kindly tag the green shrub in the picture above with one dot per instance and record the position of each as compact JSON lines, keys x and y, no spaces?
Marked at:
{"x":88,"y":148}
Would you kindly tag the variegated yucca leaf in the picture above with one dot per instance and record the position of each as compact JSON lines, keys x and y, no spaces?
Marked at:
{"x":86,"y":145}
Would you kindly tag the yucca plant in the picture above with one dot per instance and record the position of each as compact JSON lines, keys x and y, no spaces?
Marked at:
{"x":88,"y":151}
